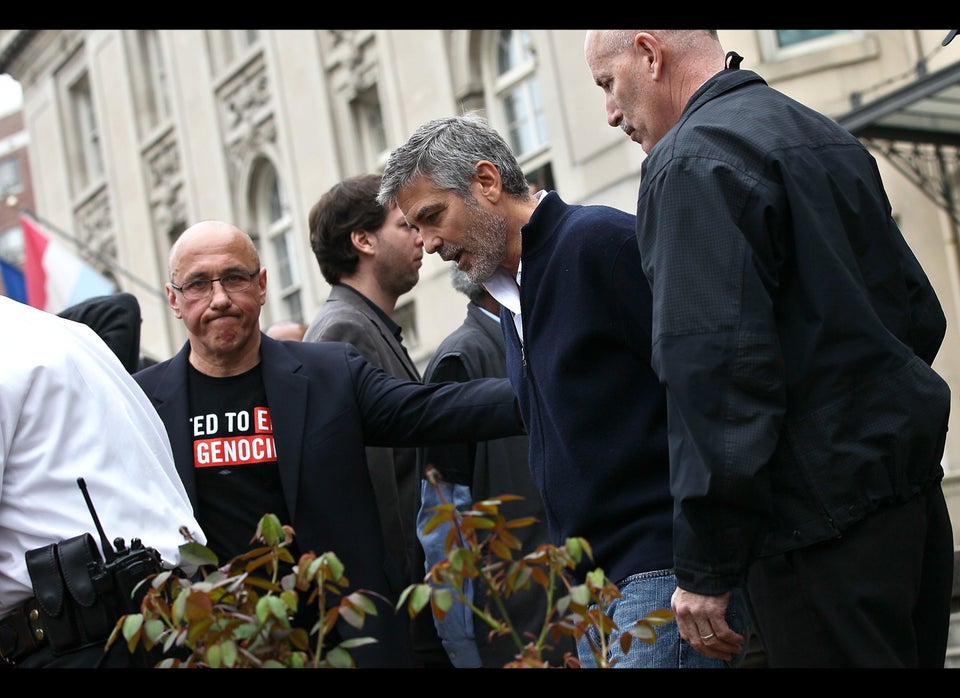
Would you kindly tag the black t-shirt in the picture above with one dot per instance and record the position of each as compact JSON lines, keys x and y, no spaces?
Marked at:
{"x":235,"y":458}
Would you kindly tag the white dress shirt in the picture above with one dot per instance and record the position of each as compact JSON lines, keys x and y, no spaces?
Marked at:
{"x":506,"y":290}
{"x":69,"y":409}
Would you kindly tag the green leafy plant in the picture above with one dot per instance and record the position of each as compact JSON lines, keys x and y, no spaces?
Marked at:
{"x":239,"y":614}
{"x":480,"y":546}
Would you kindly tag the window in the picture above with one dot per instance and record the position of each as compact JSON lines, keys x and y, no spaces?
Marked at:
{"x":11,"y":245}
{"x":781,"y":44}
{"x":276,"y":225}
{"x":86,"y":132}
{"x":226,"y":45}
{"x":283,"y":253}
{"x":508,"y":66}
{"x":368,"y":116}
{"x":792,"y":37}
{"x":792,"y":53}
{"x":151,"y":80}
{"x":10,"y":182}
{"x":517,"y":89}
{"x":245,"y":38}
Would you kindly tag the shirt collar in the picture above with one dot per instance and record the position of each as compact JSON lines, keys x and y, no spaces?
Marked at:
{"x":387,"y":320}
{"x":504,"y":289}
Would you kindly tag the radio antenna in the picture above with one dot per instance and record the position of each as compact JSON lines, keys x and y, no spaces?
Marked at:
{"x":108,"y":550}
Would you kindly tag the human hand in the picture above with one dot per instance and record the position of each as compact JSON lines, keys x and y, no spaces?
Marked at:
{"x":702,"y":622}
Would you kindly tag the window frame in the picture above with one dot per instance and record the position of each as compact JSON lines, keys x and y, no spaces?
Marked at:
{"x":151,"y":80}
{"x":84,"y":144}
{"x":273,"y":218}
{"x":520,"y":80}
{"x":15,"y":185}
{"x":371,"y":127}
{"x":772,"y":51}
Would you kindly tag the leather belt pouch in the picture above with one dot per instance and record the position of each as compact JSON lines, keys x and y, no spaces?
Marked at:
{"x":80,"y":563}
{"x":62,"y":573}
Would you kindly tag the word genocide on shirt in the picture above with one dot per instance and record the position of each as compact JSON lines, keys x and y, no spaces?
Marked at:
{"x":220,"y":449}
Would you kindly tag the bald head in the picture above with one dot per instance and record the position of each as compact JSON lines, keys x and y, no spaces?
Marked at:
{"x":287,"y":329}
{"x":686,"y":45}
{"x":222,"y":315}
{"x":607,"y":42}
{"x":648,"y":75}
{"x":210,"y":239}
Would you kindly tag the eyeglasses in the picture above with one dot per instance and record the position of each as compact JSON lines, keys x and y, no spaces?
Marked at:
{"x":199,"y":289}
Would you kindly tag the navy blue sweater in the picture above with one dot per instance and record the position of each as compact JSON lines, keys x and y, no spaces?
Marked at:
{"x":594,"y":409}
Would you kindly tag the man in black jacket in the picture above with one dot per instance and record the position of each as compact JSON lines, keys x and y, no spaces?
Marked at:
{"x":794,"y":331}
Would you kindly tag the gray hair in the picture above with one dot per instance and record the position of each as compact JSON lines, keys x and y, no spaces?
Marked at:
{"x":446,"y":151}
{"x":461,"y":282}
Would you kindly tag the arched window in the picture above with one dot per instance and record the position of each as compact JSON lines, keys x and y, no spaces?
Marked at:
{"x":275,"y":225}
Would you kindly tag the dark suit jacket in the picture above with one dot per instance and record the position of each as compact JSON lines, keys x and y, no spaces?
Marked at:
{"x":347,"y":317}
{"x":326,"y":402}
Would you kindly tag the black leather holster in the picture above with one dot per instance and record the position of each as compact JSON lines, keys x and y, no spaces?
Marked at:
{"x":77,"y":609}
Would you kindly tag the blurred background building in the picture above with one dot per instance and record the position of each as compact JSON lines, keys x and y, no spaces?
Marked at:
{"x":16,"y":192}
{"x":134,"y":134}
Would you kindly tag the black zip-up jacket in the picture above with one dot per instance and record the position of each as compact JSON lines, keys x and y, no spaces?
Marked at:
{"x":793,"y":329}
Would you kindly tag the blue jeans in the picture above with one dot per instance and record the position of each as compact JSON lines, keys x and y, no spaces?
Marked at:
{"x":642,"y":594}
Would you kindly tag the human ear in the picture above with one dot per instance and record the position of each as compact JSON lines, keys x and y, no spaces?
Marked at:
{"x":172,"y":302}
{"x":489,"y":178}
{"x":650,"y":51}
{"x":363,"y":240}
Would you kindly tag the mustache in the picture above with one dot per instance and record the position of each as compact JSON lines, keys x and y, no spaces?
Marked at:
{"x":449,"y":252}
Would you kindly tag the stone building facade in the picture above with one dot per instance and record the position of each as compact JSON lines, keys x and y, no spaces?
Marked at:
{"x":16,"y":189}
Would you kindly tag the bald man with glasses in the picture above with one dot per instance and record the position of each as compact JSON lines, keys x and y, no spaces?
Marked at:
{"x":261,"y":426}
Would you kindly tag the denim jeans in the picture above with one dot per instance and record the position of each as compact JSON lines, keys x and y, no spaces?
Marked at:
{"x":456,"y":629}
{"x":646,"y":592}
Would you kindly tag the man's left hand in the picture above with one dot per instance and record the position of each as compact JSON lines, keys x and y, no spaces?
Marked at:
{"x":702,"y":622}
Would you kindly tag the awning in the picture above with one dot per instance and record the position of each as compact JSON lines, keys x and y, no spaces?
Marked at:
{"x":917,"y":129}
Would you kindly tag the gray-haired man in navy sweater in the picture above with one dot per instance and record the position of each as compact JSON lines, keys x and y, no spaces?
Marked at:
{"x":577,"y":336}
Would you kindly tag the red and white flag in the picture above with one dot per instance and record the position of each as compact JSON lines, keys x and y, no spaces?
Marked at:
{"x":56,"y":277}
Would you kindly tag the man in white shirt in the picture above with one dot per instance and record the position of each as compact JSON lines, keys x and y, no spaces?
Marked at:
{"x":68,"y":410}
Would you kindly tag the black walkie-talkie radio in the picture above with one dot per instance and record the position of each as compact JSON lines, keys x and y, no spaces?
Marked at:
{"x":123,"y":568}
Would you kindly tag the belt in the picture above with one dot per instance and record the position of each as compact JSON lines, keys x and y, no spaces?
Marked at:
{"x":21,"y":633}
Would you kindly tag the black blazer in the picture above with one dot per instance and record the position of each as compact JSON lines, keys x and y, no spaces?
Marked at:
{"x":327,"y":403}
{"x":347,"y":317}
